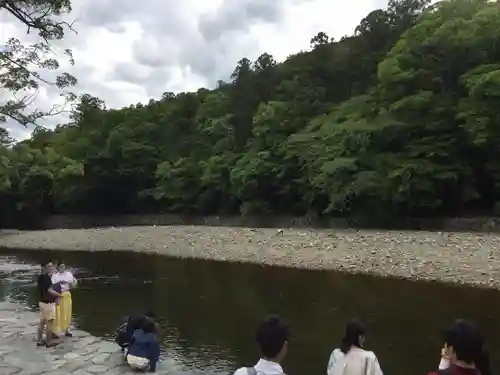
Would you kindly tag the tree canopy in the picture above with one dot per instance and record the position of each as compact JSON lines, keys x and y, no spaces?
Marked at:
{"x":398,"y":119}
{"x":24,"y":68}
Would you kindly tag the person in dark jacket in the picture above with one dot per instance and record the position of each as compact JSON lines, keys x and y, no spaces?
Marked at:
{"x":144,"y":349}
{"x":126,"y":330}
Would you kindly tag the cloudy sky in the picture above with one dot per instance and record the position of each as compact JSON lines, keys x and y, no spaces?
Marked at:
{"x":129,"y":51}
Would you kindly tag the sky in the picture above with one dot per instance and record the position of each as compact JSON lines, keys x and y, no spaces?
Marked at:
{"x":130,"y":51}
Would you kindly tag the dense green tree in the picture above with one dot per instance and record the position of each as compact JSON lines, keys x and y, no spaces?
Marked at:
{"x":399,"y":119}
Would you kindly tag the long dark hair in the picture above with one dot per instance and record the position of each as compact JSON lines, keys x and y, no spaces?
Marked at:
{"x":354,"y":330}
{"x":483,"y":363}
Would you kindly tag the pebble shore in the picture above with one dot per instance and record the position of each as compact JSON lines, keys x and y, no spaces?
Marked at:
{"x":83,"y":354}
{"x":466,"y":258}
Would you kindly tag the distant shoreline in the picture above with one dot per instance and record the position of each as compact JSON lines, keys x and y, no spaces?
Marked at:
{"x":465,"y":258}
{"x":480,"y":224}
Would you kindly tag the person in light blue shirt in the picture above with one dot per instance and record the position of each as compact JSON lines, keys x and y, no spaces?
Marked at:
{"x":144,"y":349}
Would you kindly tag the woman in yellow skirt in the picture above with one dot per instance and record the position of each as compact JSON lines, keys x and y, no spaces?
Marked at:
{"x":64,"y":308}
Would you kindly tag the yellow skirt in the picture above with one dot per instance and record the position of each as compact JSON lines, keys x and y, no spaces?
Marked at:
{"x":64,"y":311}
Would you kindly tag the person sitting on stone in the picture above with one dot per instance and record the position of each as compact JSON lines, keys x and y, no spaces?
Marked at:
{"x":144,"y":349}
{"x":126,"y":330}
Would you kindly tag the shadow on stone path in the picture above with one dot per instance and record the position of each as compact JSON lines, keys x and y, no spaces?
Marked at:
{"x":82,"y":354}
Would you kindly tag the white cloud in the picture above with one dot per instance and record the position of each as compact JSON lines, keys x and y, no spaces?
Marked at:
{"x":128,"y":51}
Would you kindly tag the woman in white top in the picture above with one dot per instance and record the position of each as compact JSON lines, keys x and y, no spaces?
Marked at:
{"x":351,"y":358}
{"x":64,"y":309}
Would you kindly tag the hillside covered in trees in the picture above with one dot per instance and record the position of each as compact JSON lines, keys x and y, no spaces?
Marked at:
{"x":399,"y":119}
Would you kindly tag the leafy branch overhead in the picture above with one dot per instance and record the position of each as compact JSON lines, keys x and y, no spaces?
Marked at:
{"x":398,"y":119}
{"x":24,"y":69}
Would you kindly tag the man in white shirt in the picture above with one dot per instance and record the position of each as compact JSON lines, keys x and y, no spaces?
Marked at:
{"x":272,"y":337}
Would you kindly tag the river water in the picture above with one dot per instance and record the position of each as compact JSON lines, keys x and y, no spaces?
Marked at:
{"x":209,"y":309}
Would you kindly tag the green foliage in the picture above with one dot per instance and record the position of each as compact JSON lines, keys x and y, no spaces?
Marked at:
{"x":400,"y":119}
{"x":22,"y":66}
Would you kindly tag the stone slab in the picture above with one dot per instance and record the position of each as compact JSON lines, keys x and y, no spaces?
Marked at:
{"x":82,"y":354}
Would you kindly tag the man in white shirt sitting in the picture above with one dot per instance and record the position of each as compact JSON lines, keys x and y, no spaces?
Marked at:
{"x":272,"y":337}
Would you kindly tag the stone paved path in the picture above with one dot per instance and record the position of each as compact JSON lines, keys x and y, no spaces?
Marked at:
{"x":82,"y":354}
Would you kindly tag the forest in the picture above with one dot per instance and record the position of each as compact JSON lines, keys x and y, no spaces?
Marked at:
{"x":398,"y":119}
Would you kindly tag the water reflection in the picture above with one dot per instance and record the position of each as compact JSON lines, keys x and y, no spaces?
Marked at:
{"x":209,"y":309}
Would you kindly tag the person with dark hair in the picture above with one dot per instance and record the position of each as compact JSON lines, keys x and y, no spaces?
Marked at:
{"x":64,"y":309}
{"x":144,"y":349}
{"x":272,"y":337}
{"x":132,"y":323}
{"x":47,"y":304}
{"x":351,"y":358}
{"x":463,"y":352}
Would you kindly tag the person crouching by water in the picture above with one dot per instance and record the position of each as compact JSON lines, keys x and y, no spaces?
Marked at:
{"x":47,"y":303}
{"x":126,"y":330}
{"x":351,"y":358}
{"x":64,"y":309}
{"x":463,"y":352}
{"x":272,"y":337}
{"x":144,"y":349}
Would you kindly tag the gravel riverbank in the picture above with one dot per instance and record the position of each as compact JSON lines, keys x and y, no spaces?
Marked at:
{"x":469,"y":258}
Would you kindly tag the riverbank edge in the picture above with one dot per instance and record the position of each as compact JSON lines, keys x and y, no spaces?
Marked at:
{"x":83,"y":352}
{"x":347,"y":251}
{"x":448,"y":224}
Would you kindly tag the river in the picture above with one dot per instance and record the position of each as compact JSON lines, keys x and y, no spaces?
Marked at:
{"x":209,"y":309}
